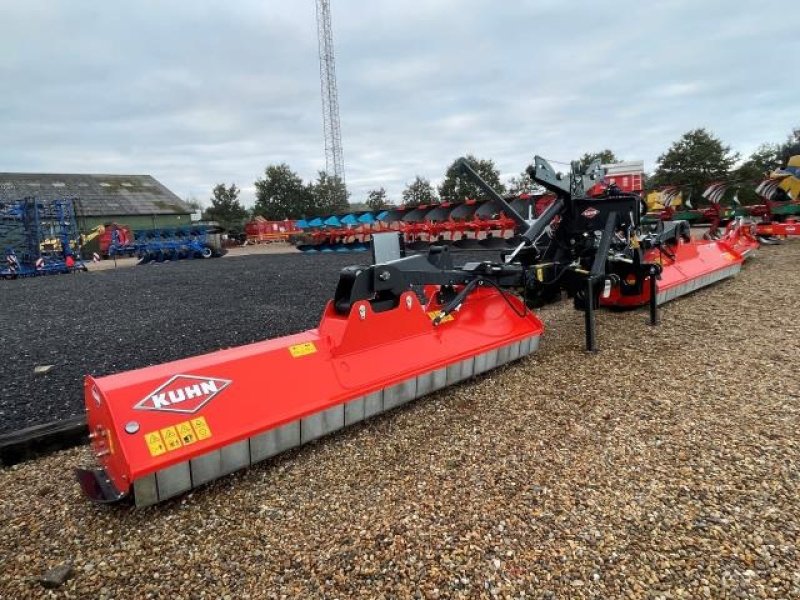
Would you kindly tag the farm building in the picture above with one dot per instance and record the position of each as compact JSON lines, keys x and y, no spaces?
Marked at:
{"x":139,"y":201}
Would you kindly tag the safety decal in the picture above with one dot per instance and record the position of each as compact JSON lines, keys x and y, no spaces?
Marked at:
{"x":303,"y":349}
{"x":154,"y":443}
{"x":171,"y":439}
{"x":177,"y":436}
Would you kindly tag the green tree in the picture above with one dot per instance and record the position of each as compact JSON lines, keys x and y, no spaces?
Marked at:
{"x":606,"y":157}
{"x":225,"y":207}
{"x":419,"y":191}
{"x":376,"y":199}
{"x":694,"y":161}
{"x":457,"y":187}
{"x":329,"y":194}
{"x":281,"y":194}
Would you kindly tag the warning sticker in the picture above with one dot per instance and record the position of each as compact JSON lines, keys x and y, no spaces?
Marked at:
{"x":180,"y":435}
{"x":186,"y":432}
{"x":171,"y":438}
{"x":729,"y":256}
{"x":201,"y":428}
{"x":155,"y":444}
{"x":303,"y":349}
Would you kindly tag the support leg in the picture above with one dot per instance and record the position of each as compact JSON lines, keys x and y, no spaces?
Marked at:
{"x":591,"y":343}
{"x":653,"y":298}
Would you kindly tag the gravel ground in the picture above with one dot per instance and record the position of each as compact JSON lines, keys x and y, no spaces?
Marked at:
{"x":115,"y":320}
{"x":631,"y":473}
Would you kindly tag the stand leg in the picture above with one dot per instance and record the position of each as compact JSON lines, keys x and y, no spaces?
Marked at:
{"x":591,"y":343}
{"x":653,"y":299}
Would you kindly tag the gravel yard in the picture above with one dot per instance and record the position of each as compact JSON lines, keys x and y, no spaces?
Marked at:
{"x":115,"y":320}
{"x":665,"y":466}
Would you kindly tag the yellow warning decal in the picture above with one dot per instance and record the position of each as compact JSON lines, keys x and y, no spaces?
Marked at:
{"x":171,"y":438}
{"x":303,"y":349}
{"x":446,"y":319}
{"x":155,"y":443}
{"x":729,"y":256}
{"x":201,"y":428}
{"x":186,"y":432}
{"x":181,"y":434}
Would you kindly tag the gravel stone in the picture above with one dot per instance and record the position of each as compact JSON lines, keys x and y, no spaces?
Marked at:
{"x":56,"y":576}
{"x":664,"y":466}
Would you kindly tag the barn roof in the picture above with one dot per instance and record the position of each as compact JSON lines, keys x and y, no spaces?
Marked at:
{"x":96,"y":195}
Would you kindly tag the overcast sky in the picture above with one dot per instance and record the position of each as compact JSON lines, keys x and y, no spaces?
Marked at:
{"x":198,"y":92}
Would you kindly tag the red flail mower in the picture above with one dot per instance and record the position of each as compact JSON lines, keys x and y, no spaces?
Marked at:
{"x":395,"y":330}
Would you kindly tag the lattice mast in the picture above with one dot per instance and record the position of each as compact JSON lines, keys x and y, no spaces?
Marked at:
{"x":334,"y":158}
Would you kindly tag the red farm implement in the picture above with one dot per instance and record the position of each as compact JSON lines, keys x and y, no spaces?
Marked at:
{"x":261,"y":231}
{"x":395,"y":330}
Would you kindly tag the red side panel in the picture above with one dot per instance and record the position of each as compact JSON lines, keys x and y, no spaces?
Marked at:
{"x":780,"y":229}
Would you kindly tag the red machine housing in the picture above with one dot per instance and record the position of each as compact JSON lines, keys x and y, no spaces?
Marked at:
{"x":686,"y":266}
{"x":164,"y":429}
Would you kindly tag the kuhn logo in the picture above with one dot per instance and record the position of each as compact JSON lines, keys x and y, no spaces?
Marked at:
{"x":183,"y":394}
{"x":590,"y":213}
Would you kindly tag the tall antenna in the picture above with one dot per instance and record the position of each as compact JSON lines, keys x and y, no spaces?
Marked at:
{"x":334,"y":158}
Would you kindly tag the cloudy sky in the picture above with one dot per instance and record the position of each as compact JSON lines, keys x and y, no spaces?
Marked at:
{"x":199,"y":92}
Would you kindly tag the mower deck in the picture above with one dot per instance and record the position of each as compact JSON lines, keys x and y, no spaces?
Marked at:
{"x":163,"y":430}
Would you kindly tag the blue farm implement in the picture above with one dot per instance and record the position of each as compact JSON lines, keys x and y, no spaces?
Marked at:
{"x":160,"y":245}
{"x":39,"y":238}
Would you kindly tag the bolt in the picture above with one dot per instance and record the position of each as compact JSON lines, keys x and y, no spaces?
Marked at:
{"x":131,"y":427}
{"x":384,"y":275}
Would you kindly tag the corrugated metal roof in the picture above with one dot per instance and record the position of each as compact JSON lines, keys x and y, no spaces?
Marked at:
{"x":97,"y":195}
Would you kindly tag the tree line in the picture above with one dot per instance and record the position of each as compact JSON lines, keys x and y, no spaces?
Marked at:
{"x":692,"y":162}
